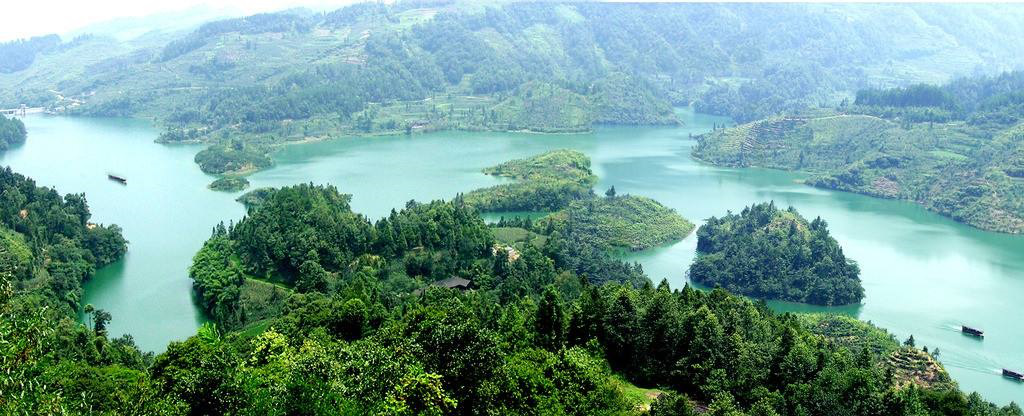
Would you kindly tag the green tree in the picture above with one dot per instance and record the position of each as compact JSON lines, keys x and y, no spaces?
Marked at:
{"x":551,"y":321}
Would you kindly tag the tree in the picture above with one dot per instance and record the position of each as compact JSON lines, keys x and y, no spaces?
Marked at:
{"x":89,"y":309}
{"x":551,"y":321}
{"x":909,"y":342}
{"x":671,"y":404}
{"x":101,"y":318}
{"x":312,"y":277}
{"x":610,"y":192}
{"x":622,"y":328}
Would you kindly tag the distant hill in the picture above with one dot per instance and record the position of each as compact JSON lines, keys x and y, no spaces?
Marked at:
{"x":957,"y":149}
{"x":374,"y":68}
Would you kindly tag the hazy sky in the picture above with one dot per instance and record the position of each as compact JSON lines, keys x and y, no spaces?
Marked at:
{"x":27,"y":18}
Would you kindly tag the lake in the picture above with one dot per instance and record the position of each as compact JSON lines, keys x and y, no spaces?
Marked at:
{"x":923,"y":274}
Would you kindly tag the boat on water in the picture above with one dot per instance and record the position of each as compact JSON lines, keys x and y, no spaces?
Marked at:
{"x":972,"y":331}
{"x":1013,"y":374}
{"x":117,"y":178}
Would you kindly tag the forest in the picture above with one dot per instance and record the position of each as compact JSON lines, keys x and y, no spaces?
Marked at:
{"x":770,"y":253}
{"x":16,"y":55}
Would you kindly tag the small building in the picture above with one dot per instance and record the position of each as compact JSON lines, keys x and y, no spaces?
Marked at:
{"x":513,"y":254}
{"x":454,"y":282}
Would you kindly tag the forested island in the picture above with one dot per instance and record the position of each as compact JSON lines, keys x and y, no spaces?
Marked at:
{"x":766,"y":252}
{"x":956,"y":149}
{"x":559,"y":182}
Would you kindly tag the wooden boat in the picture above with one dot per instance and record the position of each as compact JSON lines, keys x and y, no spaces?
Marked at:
{"x":116,"y":178}
{"x":1013,"y":374}
{"x":972,"y":331}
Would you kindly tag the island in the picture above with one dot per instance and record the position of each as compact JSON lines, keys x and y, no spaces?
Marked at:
{"x":229,"y":184}
{"x":770,"y":253}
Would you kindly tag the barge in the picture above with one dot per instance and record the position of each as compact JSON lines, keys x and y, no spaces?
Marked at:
{"x":116,"y":178}
{"x":972,"y":331}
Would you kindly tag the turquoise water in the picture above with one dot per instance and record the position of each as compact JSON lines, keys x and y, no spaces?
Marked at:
{"x":923,"y":274}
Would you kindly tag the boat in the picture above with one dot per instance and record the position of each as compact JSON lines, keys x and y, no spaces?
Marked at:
{"x":114,"y":177}
{"x":972,"y":331}
{"x":1013,"y":374}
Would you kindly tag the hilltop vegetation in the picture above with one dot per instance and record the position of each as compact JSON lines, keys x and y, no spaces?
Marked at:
{"x":560,"y":181}
{"x":770,"y":253}
{"x":956,"y":149}
{"x":903,"y":363}
{"x":12,"y":131}
{"x":582,"y":232}
{"x":235,"y":158}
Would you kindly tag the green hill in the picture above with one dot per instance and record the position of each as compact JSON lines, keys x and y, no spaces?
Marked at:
{"x":546,"y":108}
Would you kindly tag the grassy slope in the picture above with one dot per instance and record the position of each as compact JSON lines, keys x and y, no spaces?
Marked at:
{"x":518,"y":237}
{"x":948,"y":168}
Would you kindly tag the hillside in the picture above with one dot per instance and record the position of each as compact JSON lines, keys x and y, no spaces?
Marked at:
{"x":768,"y":253}
{"x":544,"y":108}
{"x":47,"y":244}
{"x":957,"y":150}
